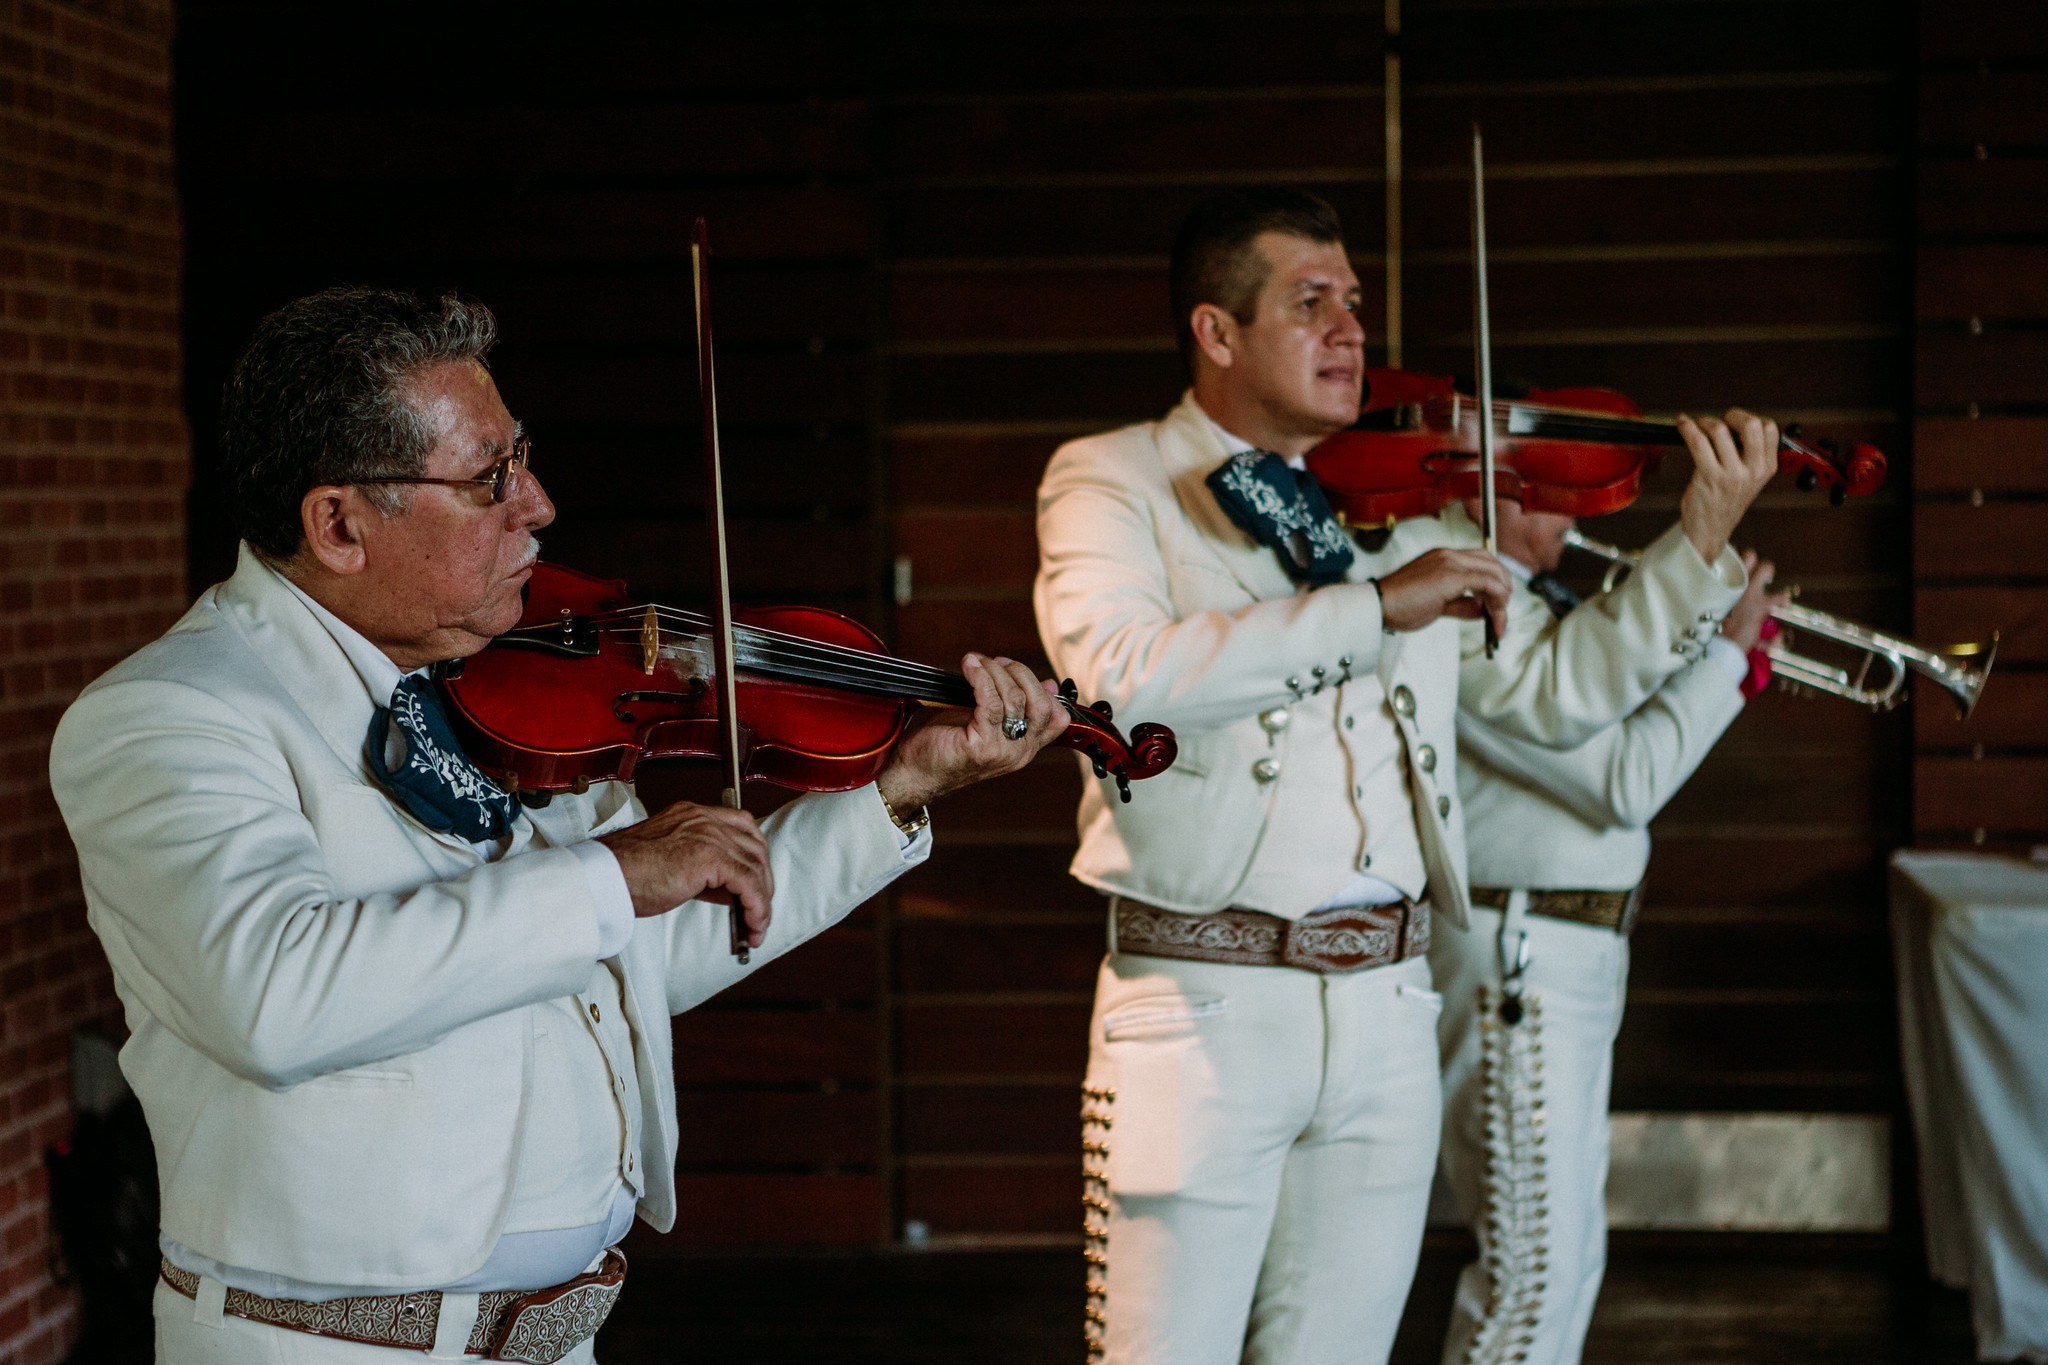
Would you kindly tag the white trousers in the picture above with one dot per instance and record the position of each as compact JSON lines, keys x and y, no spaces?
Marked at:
{"x":1544,"y":1287}
{"x":1260,"y":1143}
{"x":187,"y":1335}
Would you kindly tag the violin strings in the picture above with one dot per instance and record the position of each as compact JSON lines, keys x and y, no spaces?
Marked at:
{"x":865,"y":661}
{"x":852,"y":667}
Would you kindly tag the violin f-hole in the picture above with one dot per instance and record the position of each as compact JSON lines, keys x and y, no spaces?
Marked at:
{"x":619,"y":703}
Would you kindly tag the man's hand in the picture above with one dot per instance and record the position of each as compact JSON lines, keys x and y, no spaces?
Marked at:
{"x":1725,"y":477}
{"x":1744,"y":625}
{"x":948,"y":749}
{"x":1446,"y":583}
{"x":693,"y":852}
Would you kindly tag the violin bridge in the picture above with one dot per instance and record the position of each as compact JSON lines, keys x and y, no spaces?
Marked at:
{"x":650,"y":640}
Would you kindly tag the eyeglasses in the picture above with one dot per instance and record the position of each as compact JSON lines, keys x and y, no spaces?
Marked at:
{"x":499,"y":479}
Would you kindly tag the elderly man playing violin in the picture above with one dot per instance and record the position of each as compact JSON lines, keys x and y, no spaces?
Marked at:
{"x":402,"y":1043}
{"x":1262,"y":1105}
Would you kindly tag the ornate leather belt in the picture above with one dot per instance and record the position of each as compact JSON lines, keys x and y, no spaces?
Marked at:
{"x":1614,"y":910}
{"x":538,"y":1328}
{"x":1349,"y":938}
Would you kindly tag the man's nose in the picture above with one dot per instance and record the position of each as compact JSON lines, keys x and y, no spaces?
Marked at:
{"x":1349,"y":330}
{"x":531,"y":507}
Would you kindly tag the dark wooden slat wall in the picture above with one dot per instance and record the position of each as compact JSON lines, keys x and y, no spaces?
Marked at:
{"x":942,"y":237}
{"x":1700,"y":203}
{"x":1980,"y":490}
{"x":550,"y":166}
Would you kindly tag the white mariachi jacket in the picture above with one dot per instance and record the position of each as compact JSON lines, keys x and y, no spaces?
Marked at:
{"x":1577,"y":819}
{"x":1149,"y":597}
{"x":332,"y":1008}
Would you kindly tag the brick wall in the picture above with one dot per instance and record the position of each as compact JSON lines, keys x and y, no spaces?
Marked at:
{"x":93,"y":467}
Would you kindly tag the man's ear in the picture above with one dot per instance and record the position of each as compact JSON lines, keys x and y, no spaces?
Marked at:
{"x":331,"y":518}
{"x":1215,"y":334}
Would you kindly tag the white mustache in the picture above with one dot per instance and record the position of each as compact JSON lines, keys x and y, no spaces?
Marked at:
{"x":532,"y":553}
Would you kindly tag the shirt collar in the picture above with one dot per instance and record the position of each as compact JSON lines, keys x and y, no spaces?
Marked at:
{"x":379,"y":674}
{"x":1237,"y":445}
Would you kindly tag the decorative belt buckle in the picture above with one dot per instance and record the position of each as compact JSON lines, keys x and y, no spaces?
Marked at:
{"x":1364,"y":937}
{"x":543,"y":1327}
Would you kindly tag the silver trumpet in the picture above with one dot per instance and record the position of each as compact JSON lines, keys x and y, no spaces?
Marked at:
{"x":1961,"y":669}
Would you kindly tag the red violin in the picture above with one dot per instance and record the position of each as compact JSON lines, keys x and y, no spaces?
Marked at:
{"x":591,"y":682}
{"x":1581,"y":452}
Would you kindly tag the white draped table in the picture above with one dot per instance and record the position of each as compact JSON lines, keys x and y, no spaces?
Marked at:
{"x":1970,"y":936}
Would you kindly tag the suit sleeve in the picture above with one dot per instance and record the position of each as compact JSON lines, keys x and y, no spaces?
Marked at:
{"x":1108,"y":620}
{"x":1561,"y":682}
{"x":1625,"y":774}
{"x":215,"y":904}
{"x":829,"y":853}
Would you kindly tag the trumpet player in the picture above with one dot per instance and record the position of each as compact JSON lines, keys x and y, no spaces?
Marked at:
{"x":1533,"y":993}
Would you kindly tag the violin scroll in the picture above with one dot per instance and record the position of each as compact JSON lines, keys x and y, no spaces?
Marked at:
{"x":1150,"y":750}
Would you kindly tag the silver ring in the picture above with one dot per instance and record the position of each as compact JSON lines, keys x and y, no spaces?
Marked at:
{"x":1014,"y":727}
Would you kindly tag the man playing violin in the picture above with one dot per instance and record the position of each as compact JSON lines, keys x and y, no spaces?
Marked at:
{"x":403,"y":1044}
{"x":1533,"y":992}
{"x":1262,"y":1105}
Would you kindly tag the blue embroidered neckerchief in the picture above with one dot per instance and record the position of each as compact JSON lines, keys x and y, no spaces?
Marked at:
{"x":444,"y":790}
{"x":1559,"y":598}
{"x":1281,"y":507}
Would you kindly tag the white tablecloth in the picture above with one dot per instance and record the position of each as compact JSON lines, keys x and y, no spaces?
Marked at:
{"x":1970,"y":936}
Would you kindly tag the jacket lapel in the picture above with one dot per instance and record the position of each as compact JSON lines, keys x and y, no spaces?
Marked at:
{"x":310,"y":664}
{"x":1192,"y":452}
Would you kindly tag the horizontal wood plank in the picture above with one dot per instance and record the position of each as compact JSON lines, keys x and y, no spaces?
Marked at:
{"x":768,"y":1210}
{"x":1787,"y":869}
{"x":720,"y":1046}
{"x":946,"y":956}
{"x":1971,"y":615}
{"x":1738,"y":204}
{"x":1038,"y":803}
{"x":644,"y":469}
{"x":1672,"y":1040}
{"x":838,"y":965}
{"x":649,"y":386}
{"x":941,"y":632}
{"x":1999,"y":539}
{"x":353,"y":228}
{"x":990,"y":1118}
{"x":1983,"y":198}
{"x":969,"y":549}
{"x":813,"y":1128}
{"x":1688,"y":373}
{"x":2006,"y":795}
{"x":970,"y":883}
{"x":759,"y":137}
{"x":1996,"y":108}
{"x":1987,"y":29}
{"x":1995,"y":280}
{"x":2012,"y":712}
{"x":1995,"y":367}
{"x":1843,"y":955}
{"x":968,"y":468}
{"x":992,"y":1040}
{"x":995,"y":1199}
{"x":772,"y":560}
{"x":1995,"y":454}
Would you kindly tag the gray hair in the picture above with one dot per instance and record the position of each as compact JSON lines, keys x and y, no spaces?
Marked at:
{"x":318,"y":398}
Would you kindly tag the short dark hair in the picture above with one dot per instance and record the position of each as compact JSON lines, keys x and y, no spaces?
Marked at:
{"x":1214,"y":260}
{"x":317,"y":398}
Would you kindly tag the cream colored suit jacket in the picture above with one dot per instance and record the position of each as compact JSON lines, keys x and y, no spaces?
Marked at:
{"x":1577,"y":819}
{"x":1149,"y":597}
{"x":332,"y":1008}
